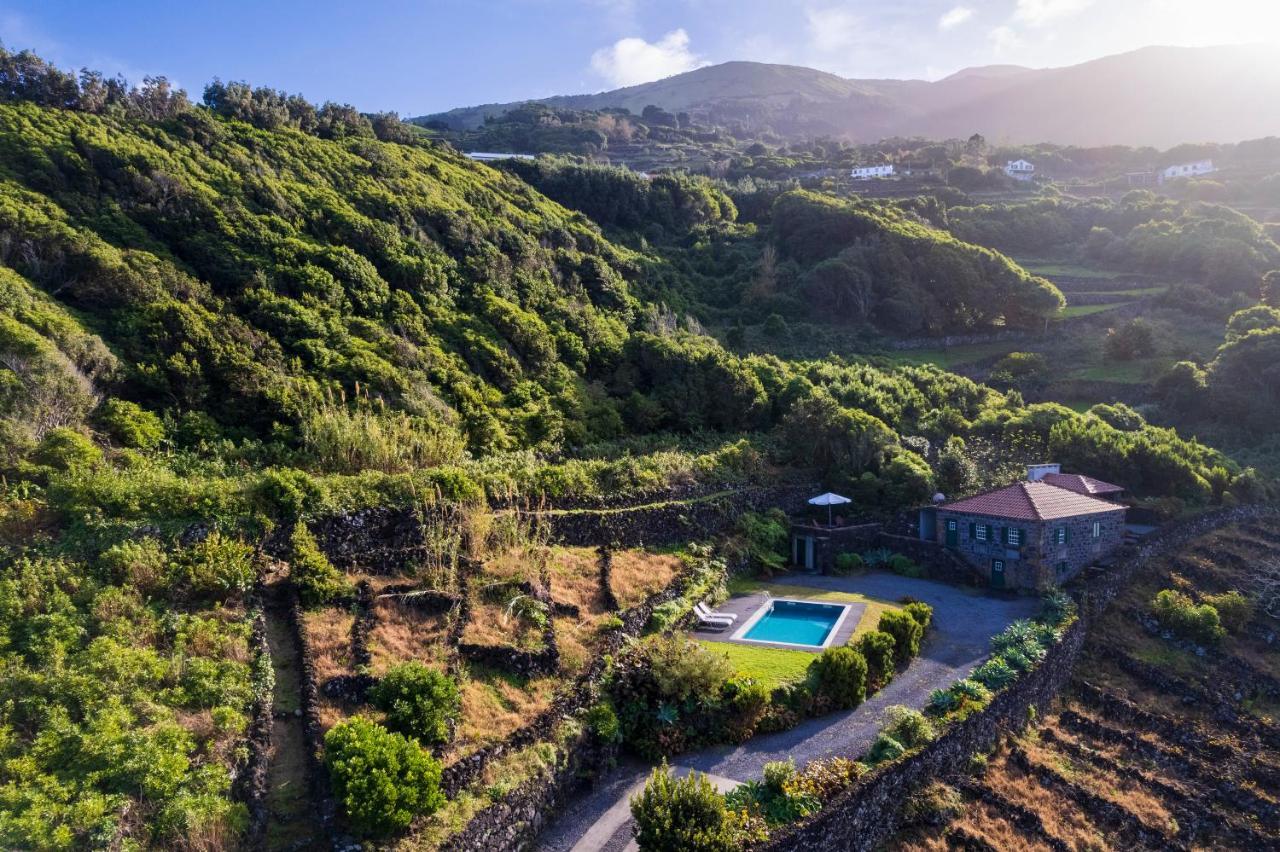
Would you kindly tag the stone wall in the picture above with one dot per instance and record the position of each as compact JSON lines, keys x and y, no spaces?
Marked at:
{"x":1035,"y":562}
{"x":251,"y":783}
{"x":938,"y":562}
{"x":388,"y":540}
{"x":512,"y":822}
{"x":668,"y":523}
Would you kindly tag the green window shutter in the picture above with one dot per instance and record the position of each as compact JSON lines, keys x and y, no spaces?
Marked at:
{"x":973,"y":530}
{"x":1006,"y":535}
{"x":1066,"y":535}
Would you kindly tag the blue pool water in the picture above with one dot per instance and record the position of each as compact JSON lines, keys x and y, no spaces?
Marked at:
{"x":796,"y":623}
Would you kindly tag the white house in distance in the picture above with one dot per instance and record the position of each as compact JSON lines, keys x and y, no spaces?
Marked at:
{"x":1019,"y":170}
{"x":492,"y":156}
{"x":1187,"y":170}
{"x":869,"y":172}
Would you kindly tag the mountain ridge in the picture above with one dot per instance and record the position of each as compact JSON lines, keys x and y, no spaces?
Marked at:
{"x":1154,"y":96}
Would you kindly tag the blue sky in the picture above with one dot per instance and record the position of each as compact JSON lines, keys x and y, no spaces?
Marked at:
{"x":430,"y":55}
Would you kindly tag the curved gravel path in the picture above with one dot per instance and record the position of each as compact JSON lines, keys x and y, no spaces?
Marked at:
{"x":963,"y":623}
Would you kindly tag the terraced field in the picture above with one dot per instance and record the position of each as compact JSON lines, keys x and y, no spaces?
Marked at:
{"x":1159,"y":744}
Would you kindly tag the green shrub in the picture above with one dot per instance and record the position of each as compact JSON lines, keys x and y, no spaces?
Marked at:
{"x":745,"y":701}
{"x":994,"y":674}
{"x":682,"y":815}
{"x":877,"y":648}
{"x":1234,"y":609}
{"x":921,"y":612}
{"x":216,"y":566}
{"x":840,"y":675}
{"x":906,"y":633}
{"x":907,"y":726}
{"x":287,"y":493}
{"x":318,"y":582}
{"x":420,"y":702}
{"x":142,"y":564}
{"x":1056,"y":608}
{"x":1180,"y":614}
{"x":777,"y":773}
{"x":848,"y":564}
{"x":904,"y":566}
{"x":602,"y":721}
{"x":943,"y":701}
{"x":381,"y":779}
{"x":763,"y":539}
{"x":884,"y":749}
{"x":66,"y":449}
{"x":130,"y":425}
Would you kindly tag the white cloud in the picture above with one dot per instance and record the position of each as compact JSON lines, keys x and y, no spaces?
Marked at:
{"x":1003,"y":39}
{"x":833,"y":28}
{"x":629,"y":61}
{"x":1039,"y":12}
{"x":955,"y":17}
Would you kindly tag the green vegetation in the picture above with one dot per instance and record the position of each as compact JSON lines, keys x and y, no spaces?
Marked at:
{"x":770,"y":667}
{"x":220,"y":323}
{"x":686,"y":815}
{"x":420,"y":702}
{"x":382,"y":779}
{"x":1207,"y":243}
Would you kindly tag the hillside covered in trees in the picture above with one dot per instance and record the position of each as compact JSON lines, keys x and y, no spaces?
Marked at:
{"x":222,"y":321}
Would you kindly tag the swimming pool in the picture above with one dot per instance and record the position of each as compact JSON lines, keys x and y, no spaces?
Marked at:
{"x":803,"y":624}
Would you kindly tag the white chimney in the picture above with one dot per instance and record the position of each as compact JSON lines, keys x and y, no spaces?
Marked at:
{"x":1036,"y":472}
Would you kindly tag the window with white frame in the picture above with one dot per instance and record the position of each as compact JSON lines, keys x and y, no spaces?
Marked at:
{"x":1060,"y":535}
{"x":982,"y":532}
{"x":1097,"y":529}
{"x":1015,"y":536}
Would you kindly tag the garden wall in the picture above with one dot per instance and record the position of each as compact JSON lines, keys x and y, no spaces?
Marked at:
{"x":939,"y":562}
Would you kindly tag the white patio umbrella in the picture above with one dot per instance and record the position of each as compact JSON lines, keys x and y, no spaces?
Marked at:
{"x":829,"y":500}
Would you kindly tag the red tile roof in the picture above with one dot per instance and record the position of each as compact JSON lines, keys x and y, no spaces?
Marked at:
{"x":1031,"y":501}
{"x":1081,"y":484}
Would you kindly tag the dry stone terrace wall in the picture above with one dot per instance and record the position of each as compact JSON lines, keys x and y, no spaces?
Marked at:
{"x":387,"y":540}
{"x":866,"y":815}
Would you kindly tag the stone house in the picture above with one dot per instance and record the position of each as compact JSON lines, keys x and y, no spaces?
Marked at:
{"x":1031,"y":535}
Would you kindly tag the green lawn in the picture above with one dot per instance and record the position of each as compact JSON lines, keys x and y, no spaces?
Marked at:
{"x":1134,"y":372}
{"x":1048,"y":268}
{"x":1088,"y":310}
{"x":771,"y":666}
{"x":954,"y":356}
{"x":1137,"y":292}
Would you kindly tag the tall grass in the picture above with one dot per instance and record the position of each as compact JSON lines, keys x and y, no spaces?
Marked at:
{"x":366,"y":435}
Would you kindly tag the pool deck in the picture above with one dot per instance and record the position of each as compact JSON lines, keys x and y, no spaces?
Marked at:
{"x":744,"y":606}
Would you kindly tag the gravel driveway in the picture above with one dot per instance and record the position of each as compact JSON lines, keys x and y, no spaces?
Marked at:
{"x":963,"y":623}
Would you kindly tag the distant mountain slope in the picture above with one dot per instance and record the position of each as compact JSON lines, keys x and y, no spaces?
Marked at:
{"x":1157,"y":96}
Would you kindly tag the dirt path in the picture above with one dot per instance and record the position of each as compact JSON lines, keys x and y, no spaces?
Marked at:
{"x":290,"y":820}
